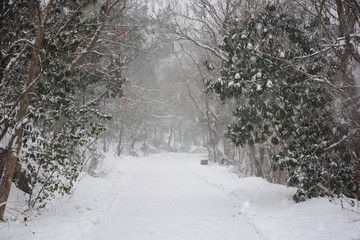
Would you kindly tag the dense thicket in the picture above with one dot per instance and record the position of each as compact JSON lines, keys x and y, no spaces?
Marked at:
{"x":276,"y":72}
{"x":289,"y":70}
{"x":58,"y":60}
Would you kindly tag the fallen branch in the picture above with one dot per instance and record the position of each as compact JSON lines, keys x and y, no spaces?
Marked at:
{"x":4,"y":203}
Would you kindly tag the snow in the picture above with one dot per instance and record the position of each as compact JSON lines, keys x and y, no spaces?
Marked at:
{"x":9,"y":64}
{"x":270,"y":209}
{"x":259,"y":27}
{"x":5,"y":140}
{"x":70,"y":217}
{"x":220,"y":81}
{"x":44,"y":3}
{"x":166,"y":200}
{"x":172,"y":196}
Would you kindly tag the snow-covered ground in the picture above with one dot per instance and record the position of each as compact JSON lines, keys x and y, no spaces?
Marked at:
{"x":68,"y":218}
{"x":165,"y":200}
{"x":172,"y":196}
{"x":270,"y":209}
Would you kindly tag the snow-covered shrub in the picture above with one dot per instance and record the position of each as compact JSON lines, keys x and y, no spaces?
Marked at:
{"x":277,"y":72}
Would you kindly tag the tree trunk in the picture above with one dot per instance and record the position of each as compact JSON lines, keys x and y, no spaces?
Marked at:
{"x":250,"y":162}
{"x":256,"y":162}
{"x":104,"y":142}
{"x":2,"y":161}
{"x":10,"y":157}
{"x":170,"y":136}
{"x":262,"y":160}
{"x":210,"y":129}
{"x":119,"y":146}
{"x":123,"y":115}
{"x":6,"y":181}
{"x":174,"y":141}
{"x":348,"y":17}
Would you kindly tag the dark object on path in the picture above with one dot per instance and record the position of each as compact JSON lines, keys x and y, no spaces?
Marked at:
{"x":204,"y":162}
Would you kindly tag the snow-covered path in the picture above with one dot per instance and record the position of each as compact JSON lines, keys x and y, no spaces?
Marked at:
{"x":166,"y":200}
{"x":170,"y":197}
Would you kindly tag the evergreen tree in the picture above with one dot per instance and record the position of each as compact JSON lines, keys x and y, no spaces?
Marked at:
{"x":47,"y":66}
{"x":276,"y":71}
